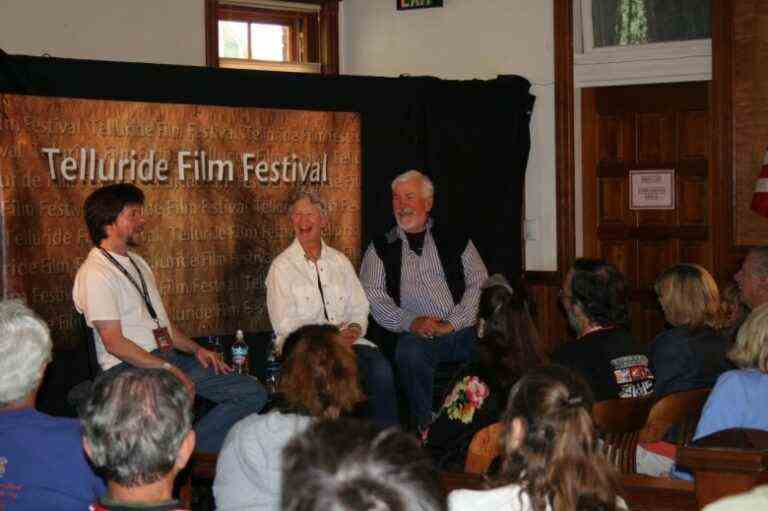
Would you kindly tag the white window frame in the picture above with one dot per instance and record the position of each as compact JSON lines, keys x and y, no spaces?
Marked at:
{"x":635,"y":64}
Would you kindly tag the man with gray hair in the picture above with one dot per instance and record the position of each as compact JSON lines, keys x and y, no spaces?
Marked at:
{"x":752,"y":278}
{"x":42,"y":464}
{"x":423,"y":283}
{"x":138,"y":433}
{"x":312,"y":283}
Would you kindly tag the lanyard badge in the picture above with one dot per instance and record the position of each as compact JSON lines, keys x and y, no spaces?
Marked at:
{"x":161,"y":334}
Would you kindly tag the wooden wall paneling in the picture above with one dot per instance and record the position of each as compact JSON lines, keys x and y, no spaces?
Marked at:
{"x":656,"y":137}
{"x":695,"y":252}
{"x":590,"y":123}
{"x":329,"y":37}
{"x":750,"y":117}
{"x":692,"y":200}
{"x":732,"y":24}
{"x":653,"y":257}
{"x":564,"y":136}
{"x":211,"y":34}
{"x":621,"y":253}
{"x":689,"y":125}
{"x":550,"y":319}
{"x":612,"y":199}
{"x":610,"y":133}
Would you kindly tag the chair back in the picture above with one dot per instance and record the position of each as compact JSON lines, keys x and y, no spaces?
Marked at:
{"x":200,"y":467}
{"x":619,"y":422}
{"x":680,"y":408}
{"x":485,"y":446}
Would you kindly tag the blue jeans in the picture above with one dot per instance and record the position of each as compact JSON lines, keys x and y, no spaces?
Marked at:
{"x":236,"y":396}
{"x":378,"y":383}
{"x":416,"y":359}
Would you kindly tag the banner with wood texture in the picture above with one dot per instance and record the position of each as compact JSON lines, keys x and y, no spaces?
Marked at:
{"x":217,"y":182}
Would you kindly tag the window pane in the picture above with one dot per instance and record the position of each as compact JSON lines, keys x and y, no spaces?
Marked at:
{"x":625,"y":22}
{"x":270,"y":42}
{"x":233,"y":39}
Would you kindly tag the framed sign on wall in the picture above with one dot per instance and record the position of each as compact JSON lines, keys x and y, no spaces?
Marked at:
{"x":652,"y":189}
{"x":404,"y":5}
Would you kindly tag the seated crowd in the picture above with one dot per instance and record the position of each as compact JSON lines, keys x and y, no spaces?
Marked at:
{"x":301,"y":453}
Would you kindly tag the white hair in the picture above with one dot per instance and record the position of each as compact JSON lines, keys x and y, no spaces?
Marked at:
{"x":313,"y":197}
{"x":427,"y":188}
{"x":25,"y":348}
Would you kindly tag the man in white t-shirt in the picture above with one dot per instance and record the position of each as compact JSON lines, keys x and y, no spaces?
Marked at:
{"x":116,"y":291}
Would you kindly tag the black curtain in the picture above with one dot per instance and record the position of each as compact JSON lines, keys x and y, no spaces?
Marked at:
{"x":472,"y":137}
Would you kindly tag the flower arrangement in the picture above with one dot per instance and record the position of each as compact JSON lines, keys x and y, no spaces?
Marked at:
{"x":467,"y":396}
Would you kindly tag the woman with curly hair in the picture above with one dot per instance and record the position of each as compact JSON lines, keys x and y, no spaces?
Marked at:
{"x":319,"y":381}
{"x":507,"y":347}
{"x":550,"y":455}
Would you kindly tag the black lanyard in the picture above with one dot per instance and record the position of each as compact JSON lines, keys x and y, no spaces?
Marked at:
{"x":143,"y":291}
{"x":322,"y":294}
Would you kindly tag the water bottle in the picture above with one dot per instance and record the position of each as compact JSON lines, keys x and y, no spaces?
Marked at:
{"x":272,"y":373}
{"x":240,"y":363}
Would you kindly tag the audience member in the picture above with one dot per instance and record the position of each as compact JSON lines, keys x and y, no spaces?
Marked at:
{"x":138,"y":433}
{"x":735,"y":311}
{"x":312,"y":283}
{"x":507,"y":344}
{"x":752,"y":500}
{"x":690,"y":355}
{"x":550,"y":454}
{"x":595,"y":298}
{"x":740,"y":396}
{"x":753,"y":278}
{"x":349,"y":465}
{"x":116,"y":291}
{"x":423,"y":282}
{"x":319,"y":381}
{"x":42,"y":464}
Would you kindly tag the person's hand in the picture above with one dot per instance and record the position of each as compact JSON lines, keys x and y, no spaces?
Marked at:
{"x":424,"y":326}
{"x":178,"y":373}
{"x":350,"y":334}
{"x":443,"y":328}
{"x":211,"y":358}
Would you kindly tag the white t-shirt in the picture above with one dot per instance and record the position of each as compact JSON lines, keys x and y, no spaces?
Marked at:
{"x":102,"y":292}
{"x":505,"y":498}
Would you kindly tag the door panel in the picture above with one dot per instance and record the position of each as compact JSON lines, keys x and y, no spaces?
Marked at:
{"x":646,"y":127}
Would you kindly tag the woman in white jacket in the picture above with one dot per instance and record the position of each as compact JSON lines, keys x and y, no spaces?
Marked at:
{"x":319,"y":381}
{"x":550,"y":456}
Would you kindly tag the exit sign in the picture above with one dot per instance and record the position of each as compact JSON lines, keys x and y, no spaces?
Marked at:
{"x":403,"y":5}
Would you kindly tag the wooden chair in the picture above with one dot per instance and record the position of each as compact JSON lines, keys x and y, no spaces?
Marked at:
{"x":201,"y":467}
{"x":619,"y":422}
{"x":646,"y":493}
{"x":726,"y":463}
{"x":483,"y":449}
{"x":682,"y":409}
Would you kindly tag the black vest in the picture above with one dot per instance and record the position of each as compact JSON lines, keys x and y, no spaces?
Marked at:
{"x":389,"y":248}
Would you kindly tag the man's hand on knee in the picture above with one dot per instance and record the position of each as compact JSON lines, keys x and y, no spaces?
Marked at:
{"x":443,"y":328}
{"x":425,"y":326}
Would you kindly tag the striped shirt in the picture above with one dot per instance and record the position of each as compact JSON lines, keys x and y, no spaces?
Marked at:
{"x":423,"y":288}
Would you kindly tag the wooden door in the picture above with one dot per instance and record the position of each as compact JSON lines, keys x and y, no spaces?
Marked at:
{"x":663,"y":126}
